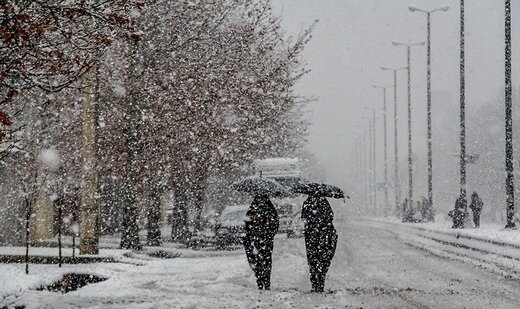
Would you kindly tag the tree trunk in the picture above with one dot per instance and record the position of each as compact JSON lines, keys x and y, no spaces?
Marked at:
{"x":180,"y":215}
{"x":154,"y":218}
{"x":130,"y":230}
{"x":198,"y":194}
{"x":89,"y":217}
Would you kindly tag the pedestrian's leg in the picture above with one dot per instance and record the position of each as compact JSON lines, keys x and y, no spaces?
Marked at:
{"x":310,"y":247}
{"x":477,"y":219}
{"x":265,"y":252}
{"x":329,"y":249}
{"x":268,"y":263}
{"x":250,"y":251}
{"x":259,"y":264}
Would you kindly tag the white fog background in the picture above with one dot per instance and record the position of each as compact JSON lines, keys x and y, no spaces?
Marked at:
{"x":352,"y":40}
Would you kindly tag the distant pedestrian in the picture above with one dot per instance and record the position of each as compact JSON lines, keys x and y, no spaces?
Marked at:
{"x":476,"y":207}
{"x":407,"y":212}
{"x":427,"y":211}
{"x":458,"y":215}
{"x":417,"y":216}
{"x":320,"y":239}
{"x":261,"y":227}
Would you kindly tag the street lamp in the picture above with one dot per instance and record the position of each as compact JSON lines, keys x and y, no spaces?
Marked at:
{"x":361,"y":167}
{"x":358,"y":171}
{"x":373,"y":169}
{"x":428,"y":92}
{"x":372,"y":160}
{"x":462,"y":112}
{"x":364,"y":166}
{"x":410,"y":176}
{"x":396,"y":157}
{"x":385,"y":142}
{"x":368,"y":165}
{"x":510,"y":181}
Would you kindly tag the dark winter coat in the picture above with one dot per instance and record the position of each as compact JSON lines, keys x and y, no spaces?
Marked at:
{"x":261,"y":227}
{"x":320,"y":239}
{"x":476,"y":203}
{"x":317,"y":214}
{"x":458,"y":214}
{"x":263,"y":219}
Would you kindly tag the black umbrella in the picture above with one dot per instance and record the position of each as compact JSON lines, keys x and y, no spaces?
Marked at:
{"x":319,"y":189}
{"x":260,"y":186}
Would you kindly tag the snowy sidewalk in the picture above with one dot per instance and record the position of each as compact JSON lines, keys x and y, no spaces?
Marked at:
{"x":491,"y":246}
{"x":195,"y":279}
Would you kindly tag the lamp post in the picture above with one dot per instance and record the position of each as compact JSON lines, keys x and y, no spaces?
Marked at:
{"x":410,"y":170}
{"x":366,"y":163}
{"x":358,"y":172}
{"x":428,"y":92}
{"x":385,"y":144}
{"x":396,"y":156}
{"x":371,"y":177}
{"x":462,"y":112}
{"x":373,"y":156}
{"x":510,"y":181}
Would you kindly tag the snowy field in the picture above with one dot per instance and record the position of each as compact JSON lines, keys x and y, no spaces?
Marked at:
{"x":378,"y":264}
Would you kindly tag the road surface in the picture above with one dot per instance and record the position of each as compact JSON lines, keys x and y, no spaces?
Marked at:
{"x":373,"y":268}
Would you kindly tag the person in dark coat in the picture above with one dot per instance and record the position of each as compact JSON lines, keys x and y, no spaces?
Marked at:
{"x":476,"y":208}
{"x":260,"y":228}
{"x":320,"y":239}
{"x":427,"y":211}
{"x":408,"y":211}
{"x":458,"y":214}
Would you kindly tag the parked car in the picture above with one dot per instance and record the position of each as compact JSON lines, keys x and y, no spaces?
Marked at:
{"x":230,"y":227}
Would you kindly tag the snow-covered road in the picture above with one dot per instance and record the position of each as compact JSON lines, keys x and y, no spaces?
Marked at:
{"x":374,"y":267}
{"x":377,"y":269}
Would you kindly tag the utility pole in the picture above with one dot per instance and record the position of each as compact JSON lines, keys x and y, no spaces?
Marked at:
{"x":372,"y":133}
{"x":387,"y":204}
{"x":462,"y":110}
{"x":374,"y":189}
{"x":429,"y":93}
{"x":365,"y":168}
{"x":410,"y":169}
{"x":510,"y":181}
{"x":396,"y":152}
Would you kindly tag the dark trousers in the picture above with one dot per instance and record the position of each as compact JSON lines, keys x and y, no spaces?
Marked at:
{"x":320,"y":246}
{"x":476,"y":218}
{"x":259,"y":250}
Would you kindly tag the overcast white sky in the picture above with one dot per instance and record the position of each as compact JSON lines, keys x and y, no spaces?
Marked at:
{"x":353,"y":40}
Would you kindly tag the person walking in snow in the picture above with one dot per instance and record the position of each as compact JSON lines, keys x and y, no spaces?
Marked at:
{"x":476,"y":208}
{"x":260,"y":228}
{"x":320,"y":239}
{"x":458,"y":215}
{"x":427,"y":211}
{"x":417,"y":216}
{"x":408,"y":211}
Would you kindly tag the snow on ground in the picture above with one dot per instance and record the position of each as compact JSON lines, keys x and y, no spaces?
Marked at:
{"x":220,"y":280}
{"x":378,"y":264}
